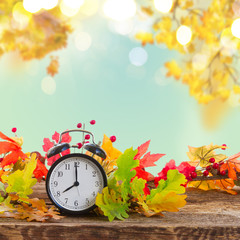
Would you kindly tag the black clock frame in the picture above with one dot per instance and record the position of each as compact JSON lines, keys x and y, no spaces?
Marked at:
{"x":67,"y":211}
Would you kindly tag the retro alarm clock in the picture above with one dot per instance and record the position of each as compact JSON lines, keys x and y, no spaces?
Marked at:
{"x":74,"y":180}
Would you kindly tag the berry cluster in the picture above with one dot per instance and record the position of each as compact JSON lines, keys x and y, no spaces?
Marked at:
{"x":87,"y":136}
{"x":214,"y":168}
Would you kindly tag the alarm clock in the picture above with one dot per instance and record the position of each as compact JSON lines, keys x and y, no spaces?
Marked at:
{"x":74,"y":180}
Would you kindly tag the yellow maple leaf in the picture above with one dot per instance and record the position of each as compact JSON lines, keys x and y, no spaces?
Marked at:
{"x":201,"y":155}
{"x":145,"y":38}
{"x":173,"y":69}
{"x":170,"y":202}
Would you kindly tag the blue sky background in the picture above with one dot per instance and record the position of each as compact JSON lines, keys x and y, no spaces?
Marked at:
{"x":102,"y":84}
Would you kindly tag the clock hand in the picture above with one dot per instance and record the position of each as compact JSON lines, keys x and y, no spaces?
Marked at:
{"x":74,"y":185}
{"x":69,"y":188}
{"x":76,"y":173}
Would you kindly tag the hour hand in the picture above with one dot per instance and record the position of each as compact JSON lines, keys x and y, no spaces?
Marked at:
{"x":69,"y":188}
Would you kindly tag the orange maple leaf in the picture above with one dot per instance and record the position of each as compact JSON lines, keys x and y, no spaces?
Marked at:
{"x":11,"y":149}
{"x":53,"y":67}
{"x":232,"y":165}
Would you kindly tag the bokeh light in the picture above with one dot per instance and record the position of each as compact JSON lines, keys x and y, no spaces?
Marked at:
{"x":32,"y":6}
{"x":83,"y":41}
{"x":200,"y":61}
{"x":90,"y":7}
{"x":163,"y":6}
{"x":184,"y":34}
{"x":119,"y":10}
{"x":49,"y":4}
{"x":21,"y":16}
{"x":235,"y":28}
{"x":48,"y":85}
{"x":229,"y":44}
{"x":70,"y":7}
{"x":123,"y":27}
{"x":138,"y":56}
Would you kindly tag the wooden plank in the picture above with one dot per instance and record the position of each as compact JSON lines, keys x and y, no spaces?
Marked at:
{"x":207,"y":215}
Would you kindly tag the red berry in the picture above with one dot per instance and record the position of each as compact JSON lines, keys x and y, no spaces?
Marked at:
{"x":113,"y":138}
{"x":86,"y":142}
{"x":79,"y":145}
{"x":92,"y":122}
{"x":208,"y":168}
{"x":1,"y":159}
{"x":79,"y":125}
{"x":193,"y":174}
{"x":224,"y":146}
{"x":223,"y":173}
{"x":14,"y":130}
{"x":87,"y":137}
{"x":215,"y":165}
{"x":205,"y":173}
{"x":212,"y":160}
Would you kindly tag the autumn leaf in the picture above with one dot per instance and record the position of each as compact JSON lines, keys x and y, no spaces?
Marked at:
{"x":49,"y":144}
{"x":232,"y":166}
{"x":12,"y":150}
{"x":40,"y":171}
{"x":145,"y":38}
{"x":165,"y":197}
{"x":173,"y":69}
{"x":21,"y":181}
{"x":111,"y":205}
{"x":201,"y":155}
{"x":53,"y":67}
{"x":147,"y":160}
{"x":125,"y":170}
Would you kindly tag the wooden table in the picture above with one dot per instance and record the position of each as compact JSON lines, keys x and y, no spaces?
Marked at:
{"x":207,"y":215}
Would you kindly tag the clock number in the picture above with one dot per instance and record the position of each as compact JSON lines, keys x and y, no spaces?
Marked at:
{"x":55,"y":183}
{"x":94,"y":194}
{"x":97,"y":184}
{"x":58,"y":193}
{"x":76,"y":203}
{"x":66,"y":200}
{"x":67,"y":166}
{"x":87,"y":201}
{"x":60,"y":174}
{"x":94,"y":173}
{"x":86,"y":166}
{"x":76,"y":164}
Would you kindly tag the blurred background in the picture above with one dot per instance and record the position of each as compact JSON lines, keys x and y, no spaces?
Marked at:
{"x":107,"y":75}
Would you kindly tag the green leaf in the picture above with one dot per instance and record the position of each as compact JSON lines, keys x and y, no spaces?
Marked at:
{"x":137,"y":186}
{"x":125,"y":172}
{"x":2,"y":187}
{"x":112,"y":205}
{"x":172,"y":184}
{"x":21,"y":181}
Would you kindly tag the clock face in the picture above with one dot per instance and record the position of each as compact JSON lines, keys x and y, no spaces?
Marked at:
{"x":73,"y":182}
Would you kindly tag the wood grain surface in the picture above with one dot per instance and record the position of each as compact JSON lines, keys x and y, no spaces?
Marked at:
{"x":207,"y":215}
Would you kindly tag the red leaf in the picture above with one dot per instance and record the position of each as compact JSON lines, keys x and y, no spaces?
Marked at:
{"x":168,"y":166}
{"x":186,"y":169}
{"x":6,"y":147}
{"x":40,"y":171}
{"x":4,"y":137}
{"x":149,"y":159}
{"x":12,"y":158}
{"x":55,"y":137}
{"x":66,"y":138}
{"x":142,"y":149}
{"x":47,"y":144}
{"x":141,"y":173}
